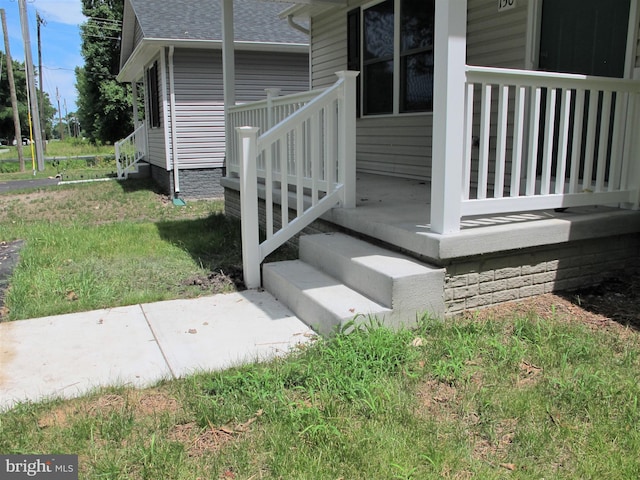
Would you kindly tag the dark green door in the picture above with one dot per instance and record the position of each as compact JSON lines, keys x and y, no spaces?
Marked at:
{"x":584,"y":36}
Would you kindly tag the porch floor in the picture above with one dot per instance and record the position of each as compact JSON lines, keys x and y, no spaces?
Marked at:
{"x":396,"y":211}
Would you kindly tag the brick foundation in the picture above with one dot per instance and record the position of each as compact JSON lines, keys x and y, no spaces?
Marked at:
{"x":196,"y":183}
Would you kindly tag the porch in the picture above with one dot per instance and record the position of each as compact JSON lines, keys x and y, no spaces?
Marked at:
{"x":396,"y":212}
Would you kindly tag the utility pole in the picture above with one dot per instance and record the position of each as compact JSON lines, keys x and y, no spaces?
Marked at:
{"x":31,"y":84}
{"x":41,"y":21}
{"x":66,"y":115}
{"x":60,"y":127}
{"x":12,"y":90}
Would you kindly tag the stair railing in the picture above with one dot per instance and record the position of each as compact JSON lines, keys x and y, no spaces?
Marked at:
{"x":307,"y":167}
{"x":130,"y":150}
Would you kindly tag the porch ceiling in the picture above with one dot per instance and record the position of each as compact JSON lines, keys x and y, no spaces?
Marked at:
{"x":396,"y":211}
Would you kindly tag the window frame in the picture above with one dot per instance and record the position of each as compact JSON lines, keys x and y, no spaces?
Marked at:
{"x":153,"y":94}
{"x":398,"y":56}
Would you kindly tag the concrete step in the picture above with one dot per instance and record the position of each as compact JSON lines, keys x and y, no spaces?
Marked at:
{"x":318,"y":299}
{"x":143,"y":170}
{"x":396,"y":281}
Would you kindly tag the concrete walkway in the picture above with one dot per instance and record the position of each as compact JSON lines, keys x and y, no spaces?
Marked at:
{"x":68,"y":355}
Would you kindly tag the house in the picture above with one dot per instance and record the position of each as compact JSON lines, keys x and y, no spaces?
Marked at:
{"x":469,"y":153}
{"x":172,"y":53}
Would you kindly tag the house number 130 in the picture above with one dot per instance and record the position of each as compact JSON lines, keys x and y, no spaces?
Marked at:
{"x":506,"y":5}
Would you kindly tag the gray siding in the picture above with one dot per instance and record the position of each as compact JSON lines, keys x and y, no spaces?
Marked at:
{"x":496,"y":39}
{"x":199,"y":108}
{"x":200,"y":97}
{"x":391,"y":145}
{"x":138,"y":35}
{"x":256,"y":71}
{"x":401,"y":145}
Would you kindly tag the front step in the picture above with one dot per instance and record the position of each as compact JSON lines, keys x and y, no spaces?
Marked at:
{"x":318,"y":299}
{"x":339,"y":277}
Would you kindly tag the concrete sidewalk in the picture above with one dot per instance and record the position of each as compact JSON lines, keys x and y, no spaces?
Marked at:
{"x":68,"y":355}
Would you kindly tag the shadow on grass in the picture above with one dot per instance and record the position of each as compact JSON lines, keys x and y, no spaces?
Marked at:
{"x":132,"y":185}
{"x":213,"y":242}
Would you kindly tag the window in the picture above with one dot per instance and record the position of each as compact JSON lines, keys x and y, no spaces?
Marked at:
{"x":391,"y":43}
{"x":153,"y":95}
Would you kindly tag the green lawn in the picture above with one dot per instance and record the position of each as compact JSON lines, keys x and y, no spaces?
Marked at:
{"x":524,"y":397}
{"x":107,"y":244}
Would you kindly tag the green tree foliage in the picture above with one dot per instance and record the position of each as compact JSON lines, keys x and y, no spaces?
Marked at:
{"x":6,"y":111}
{"x":104,"y":105}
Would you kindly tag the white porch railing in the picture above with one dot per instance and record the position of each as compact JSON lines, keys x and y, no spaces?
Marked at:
{"x":537,"y":140}
{"x":263,"y":114}
{"x":306,"y":162}
{"x":130,"y":151}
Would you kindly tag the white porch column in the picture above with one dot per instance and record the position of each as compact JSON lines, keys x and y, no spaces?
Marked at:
{"x":448,"y":114}
{"x":134,"y":100}
{"x":347,"y":140}
{"x":228,"y":67}
{"x":249,"y":220}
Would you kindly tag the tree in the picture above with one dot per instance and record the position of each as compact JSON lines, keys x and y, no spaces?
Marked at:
{"x":7,"y":130}
{"x":104,"y":105}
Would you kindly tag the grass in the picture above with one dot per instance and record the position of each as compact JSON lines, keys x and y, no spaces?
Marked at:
{"x":97,"y":161}
{"x":108,"y":244}
{"x":525,"y":397}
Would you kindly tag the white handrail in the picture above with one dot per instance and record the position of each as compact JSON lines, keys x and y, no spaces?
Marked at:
{"x":309,"y":156}
{"x":130,"y":150}
{"x":546,"y":140}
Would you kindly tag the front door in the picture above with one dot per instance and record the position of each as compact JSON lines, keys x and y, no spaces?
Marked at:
{"x":584,"y":36}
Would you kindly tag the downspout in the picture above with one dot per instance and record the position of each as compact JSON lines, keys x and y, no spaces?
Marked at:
{"x":174,"y":134}
{"x":297,"y":26}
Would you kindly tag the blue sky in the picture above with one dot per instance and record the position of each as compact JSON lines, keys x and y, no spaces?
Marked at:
{"x":60,"y":43}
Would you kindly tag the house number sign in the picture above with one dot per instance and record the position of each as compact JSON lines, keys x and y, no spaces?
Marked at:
{"x":506,"y":5}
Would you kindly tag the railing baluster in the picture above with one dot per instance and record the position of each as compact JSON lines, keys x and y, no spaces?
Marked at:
{"x":468,"y":142}
{"x":268,"y":186}
{"x":576,"y":149}
{"x":603,"y":147}
{"x":485,"y":131}
{"x":617,"y":148}
{"x":518,"y":141}
{"x":315,"y":160}
{"x":284,"y":184}
{"x":330,"y":149}
{"x":532,"y":165}
{"x":563,"y":141}
{"x":501,"y":147}
{"x":299,"y":146}
{"x":590,"y":147}
{"x":549,"y":128}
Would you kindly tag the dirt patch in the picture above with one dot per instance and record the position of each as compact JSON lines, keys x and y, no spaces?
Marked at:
{"x":229,"y":279}
{"x":142,"y":403}
{"x":9,"y":255}
{"x":613,"y":304}
{"x":198,"y":441}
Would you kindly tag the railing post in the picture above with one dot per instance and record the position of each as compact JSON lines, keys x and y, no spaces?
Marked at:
{"x":271,"y":94}
{"x":251,"y":257}
{"x":118,"y":166}
{"x":347,"y":137}
{"x":448,"y":115}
